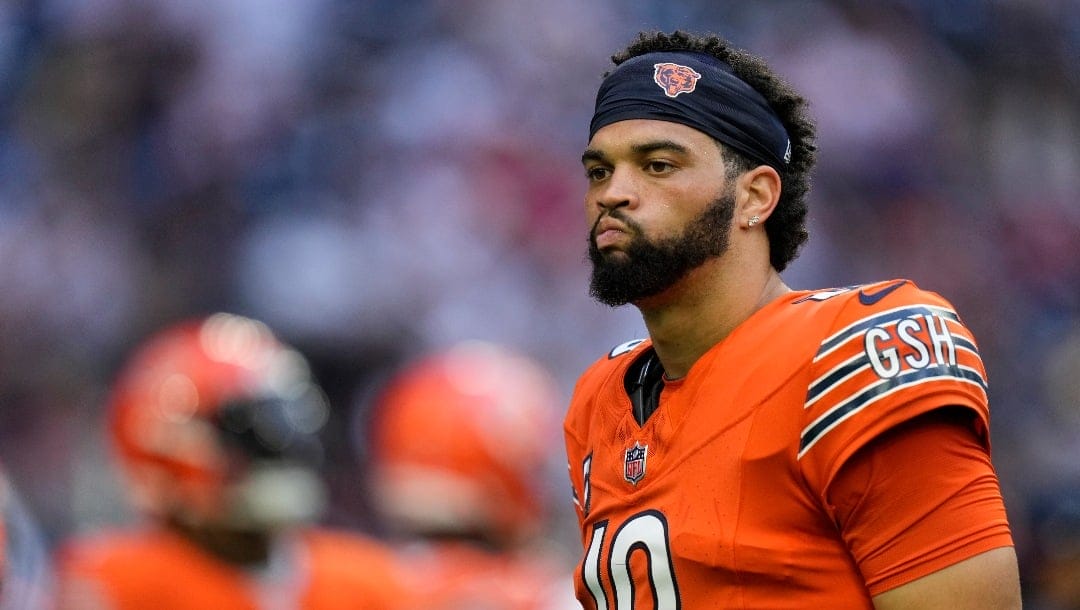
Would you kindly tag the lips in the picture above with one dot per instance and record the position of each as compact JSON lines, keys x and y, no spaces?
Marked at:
{"x":609,"y":233}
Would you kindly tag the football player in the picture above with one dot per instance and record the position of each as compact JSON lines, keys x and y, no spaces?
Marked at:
{"x":764,"y":447}
{"x":215,"y":422}
{"x":462,"y":443}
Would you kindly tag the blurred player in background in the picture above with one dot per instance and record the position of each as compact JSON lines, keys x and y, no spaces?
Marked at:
{"x":463,"y":442}
{"x":215,"y":422}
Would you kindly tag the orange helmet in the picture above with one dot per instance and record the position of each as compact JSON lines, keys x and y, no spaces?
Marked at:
{"x":216,"y":421}
{"x":462,"y":444}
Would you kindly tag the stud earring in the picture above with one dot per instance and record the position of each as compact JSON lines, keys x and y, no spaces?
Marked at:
{"x":753,"y":221}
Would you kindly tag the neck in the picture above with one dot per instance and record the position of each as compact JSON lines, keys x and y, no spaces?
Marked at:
{"x":701,"y":310}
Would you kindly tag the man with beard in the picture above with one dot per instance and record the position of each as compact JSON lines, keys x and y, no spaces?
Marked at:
{"x":763,"y":447}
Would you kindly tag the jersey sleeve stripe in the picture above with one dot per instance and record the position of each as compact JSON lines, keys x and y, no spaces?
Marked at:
{"x":860,"y":362}
{"x":962,"y":342}
{"x":831,"y":418}
{"x":846,"y":370}
{"x":892,"y":315}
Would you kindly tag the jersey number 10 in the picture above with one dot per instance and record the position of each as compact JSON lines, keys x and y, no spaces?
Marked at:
{"x":646,"y":532}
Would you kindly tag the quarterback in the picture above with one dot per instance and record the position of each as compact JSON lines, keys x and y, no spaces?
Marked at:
{"x":763,"y":447}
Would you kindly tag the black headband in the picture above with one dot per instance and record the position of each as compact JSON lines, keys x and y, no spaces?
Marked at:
{"x":699,"y":91}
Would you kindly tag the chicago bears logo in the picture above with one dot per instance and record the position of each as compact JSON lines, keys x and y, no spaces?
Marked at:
{"x":675,"y":79}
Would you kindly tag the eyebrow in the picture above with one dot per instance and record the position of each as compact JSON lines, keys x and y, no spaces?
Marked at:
{"x":592,"y":154}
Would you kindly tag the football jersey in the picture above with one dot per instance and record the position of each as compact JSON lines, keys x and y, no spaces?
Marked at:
{"x":315,"y":570}
{"x":719,"y":499}
{"x":461,"y":576}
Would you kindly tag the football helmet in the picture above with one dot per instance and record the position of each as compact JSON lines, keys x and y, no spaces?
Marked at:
{"x":462,"y":444}
{"x":215,"y":422}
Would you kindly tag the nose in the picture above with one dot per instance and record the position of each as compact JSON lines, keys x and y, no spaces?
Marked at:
{"x":619,"y":190}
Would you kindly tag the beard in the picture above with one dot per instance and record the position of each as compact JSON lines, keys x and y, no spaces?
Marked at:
{"x":649,"y":268}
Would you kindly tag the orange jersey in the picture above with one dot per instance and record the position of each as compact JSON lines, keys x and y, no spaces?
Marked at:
{"x":459,"y":576}
{"x":316,"y":570}
{"x":721,"y":499}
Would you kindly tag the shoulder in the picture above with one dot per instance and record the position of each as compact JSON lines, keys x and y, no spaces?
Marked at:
{"x":888,"y":352}
{"x":874,"y":312}
{"x":113,"y":547}
{"x":110,"y":568}
{"x":613,"y":362}
{"x":348,"y":562}
{"x":882,"y":319}
{"x":794,"y":334}
{"x":600,"y":384}
{"x":340,"y":544}
{"x":857,"y":300}
{"x":460,"y":576}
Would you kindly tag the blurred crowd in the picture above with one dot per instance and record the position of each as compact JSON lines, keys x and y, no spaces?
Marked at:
{"x":375,"y":179}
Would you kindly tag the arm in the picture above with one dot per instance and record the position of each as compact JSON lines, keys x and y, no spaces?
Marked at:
{"x":920,"y":508}
{"x":987,"y":581}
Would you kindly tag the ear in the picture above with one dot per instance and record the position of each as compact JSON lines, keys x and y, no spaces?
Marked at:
{"x":758,"y":191}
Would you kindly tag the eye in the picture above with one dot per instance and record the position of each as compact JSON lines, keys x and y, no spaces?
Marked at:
{"x":657,"y":166}
{"x":597,"y":173}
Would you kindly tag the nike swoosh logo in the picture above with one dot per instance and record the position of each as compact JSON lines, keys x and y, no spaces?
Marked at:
{"x":870,"y":298}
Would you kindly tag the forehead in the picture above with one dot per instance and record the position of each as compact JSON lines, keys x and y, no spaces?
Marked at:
{"x":632,"y":135}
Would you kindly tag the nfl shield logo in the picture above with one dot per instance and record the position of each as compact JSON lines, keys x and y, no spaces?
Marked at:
{"x":634,"y":462}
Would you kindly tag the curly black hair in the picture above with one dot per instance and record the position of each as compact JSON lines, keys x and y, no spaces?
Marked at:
{"x":786,"y":227}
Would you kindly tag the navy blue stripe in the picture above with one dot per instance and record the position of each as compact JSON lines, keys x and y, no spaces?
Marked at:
{"x":960,"y":341}
{"x":972,"y":375}
{"x":810,"y":435}
{"x":892,"y":316}
{"x":838,"y":374}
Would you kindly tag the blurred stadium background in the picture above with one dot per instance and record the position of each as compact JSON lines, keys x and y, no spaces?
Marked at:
{"x":378,"y":178}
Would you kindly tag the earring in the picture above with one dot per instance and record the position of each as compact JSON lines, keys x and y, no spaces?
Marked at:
{"x":753,"y":221}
